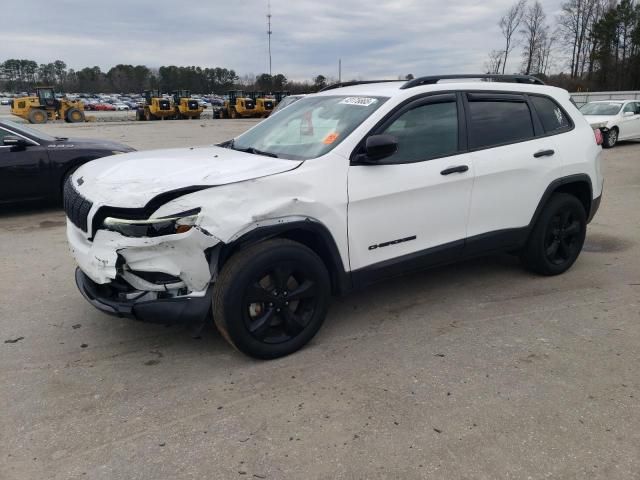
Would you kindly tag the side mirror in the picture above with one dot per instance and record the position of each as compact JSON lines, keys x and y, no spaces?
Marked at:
{"x":13,"y":141}
{"x":628,"y":114}
{"x":378,"y":147}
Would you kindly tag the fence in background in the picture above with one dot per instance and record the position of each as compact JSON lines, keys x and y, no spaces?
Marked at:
{"x":585,"y":97}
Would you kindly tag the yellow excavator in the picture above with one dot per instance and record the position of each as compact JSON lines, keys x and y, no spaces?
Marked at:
{"x":185,"y":106}
{"x":155,"y":107}
{"x":238,"y":105}
{"x":45,"y":106}
{"x":264,"y":105}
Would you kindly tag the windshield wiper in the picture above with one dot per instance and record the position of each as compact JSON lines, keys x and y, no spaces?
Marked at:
{"x":255,"y":151}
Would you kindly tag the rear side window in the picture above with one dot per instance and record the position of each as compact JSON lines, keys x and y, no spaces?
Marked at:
{"x":552,"y":117}
{"x":496,"y":122}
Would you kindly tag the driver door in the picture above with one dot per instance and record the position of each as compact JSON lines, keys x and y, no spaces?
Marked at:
{"x":23,"y":171}
{"x":411,"y":209}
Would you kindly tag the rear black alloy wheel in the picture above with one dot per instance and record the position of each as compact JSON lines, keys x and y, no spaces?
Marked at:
{"x":562,"y":237}
{"x":271,"y":298}
{"x":557,"y":237}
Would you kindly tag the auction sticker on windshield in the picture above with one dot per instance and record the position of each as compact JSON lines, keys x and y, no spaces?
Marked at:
{"x":361,"y":101}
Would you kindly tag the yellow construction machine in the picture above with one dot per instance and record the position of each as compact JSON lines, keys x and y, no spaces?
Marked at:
{"x":185,"y":106}
{"x":264,"y":105}
{"x":238,"y":105}
{"x":155,"y":107}
{"x":45,"y":106}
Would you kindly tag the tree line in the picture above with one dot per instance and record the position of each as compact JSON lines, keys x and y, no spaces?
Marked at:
{"x":20,"y":75}
{"x":593,"y":44}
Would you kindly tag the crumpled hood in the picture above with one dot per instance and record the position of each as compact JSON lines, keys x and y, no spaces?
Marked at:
{"x":131,"y":180}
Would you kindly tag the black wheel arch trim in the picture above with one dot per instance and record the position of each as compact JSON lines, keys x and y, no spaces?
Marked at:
{"x":555,"y":185}
{"x":312,"y":229}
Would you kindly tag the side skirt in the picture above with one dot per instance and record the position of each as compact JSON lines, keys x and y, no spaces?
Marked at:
{"x":486,"y":243}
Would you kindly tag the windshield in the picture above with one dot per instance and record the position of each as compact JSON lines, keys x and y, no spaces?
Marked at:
{"x":28,"y":131}
{"x":285,"y":102}
{"x":309,"y":128}
{"x":601,"y":108}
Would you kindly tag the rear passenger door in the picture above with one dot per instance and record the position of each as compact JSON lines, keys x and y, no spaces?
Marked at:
{"x":515,"y":159}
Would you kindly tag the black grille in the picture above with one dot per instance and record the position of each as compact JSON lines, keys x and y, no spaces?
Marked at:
{"x":165,"y":105}
{"x":193,"y":105}
{"x":76,"y":206}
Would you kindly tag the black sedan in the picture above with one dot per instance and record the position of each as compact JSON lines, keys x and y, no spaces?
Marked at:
{"x":34,"y":165}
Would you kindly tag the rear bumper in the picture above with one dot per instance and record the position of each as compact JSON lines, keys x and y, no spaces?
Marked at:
{"x":105,"y":298}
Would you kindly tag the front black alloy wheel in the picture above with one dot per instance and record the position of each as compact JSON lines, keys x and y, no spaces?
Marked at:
{"x":557,"y":237}
{"x":271,"y":298}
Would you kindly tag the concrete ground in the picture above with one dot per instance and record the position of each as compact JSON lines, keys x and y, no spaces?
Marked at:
{"x":480,"y":370}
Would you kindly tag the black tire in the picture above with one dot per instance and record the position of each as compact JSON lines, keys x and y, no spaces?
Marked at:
{"x":557,"y":237}
{"x":610,"y":139}
{"x":273,"y":272}
{"x":140,"y":115}
{"x":38,"y":116}
{"x":74,"y":115}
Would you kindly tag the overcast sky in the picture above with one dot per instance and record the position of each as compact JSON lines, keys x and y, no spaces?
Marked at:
{"x":374,"y":38}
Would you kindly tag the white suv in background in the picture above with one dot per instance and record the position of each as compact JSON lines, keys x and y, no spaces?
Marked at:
{"x":616,"y":119}
{"x":343,"y":188}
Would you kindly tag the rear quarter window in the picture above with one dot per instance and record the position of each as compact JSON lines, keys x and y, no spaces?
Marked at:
{"x":551,"y":115}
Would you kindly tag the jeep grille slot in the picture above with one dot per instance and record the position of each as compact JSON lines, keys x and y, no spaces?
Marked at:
{"x":76,"y":207}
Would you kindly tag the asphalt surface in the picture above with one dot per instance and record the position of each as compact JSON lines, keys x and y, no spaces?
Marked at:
{"x":476,"y":371}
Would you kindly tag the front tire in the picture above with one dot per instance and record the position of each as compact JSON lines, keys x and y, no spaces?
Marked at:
{"x":610,"y":138}
{"x":557,"y":237}
{"x":271,"y":298}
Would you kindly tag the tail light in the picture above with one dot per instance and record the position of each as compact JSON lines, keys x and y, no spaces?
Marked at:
{"x":598,"y":133}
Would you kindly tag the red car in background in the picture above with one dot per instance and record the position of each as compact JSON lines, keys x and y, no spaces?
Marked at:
{"x":104,"y":106}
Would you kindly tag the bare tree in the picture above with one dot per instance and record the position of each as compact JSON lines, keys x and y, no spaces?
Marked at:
{"x":576,"y":22}
{"x":509,"y":25}
{"x":532,"y":32}
{"x":493,"y":63}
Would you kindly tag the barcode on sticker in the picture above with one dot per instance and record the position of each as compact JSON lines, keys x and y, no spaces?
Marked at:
{"x":362,"y":101}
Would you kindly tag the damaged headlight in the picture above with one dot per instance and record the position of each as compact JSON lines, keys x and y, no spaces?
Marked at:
{"x":599,"y":125}
{"x":153,"y":227}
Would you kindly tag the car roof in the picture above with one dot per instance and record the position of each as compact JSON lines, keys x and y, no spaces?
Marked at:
{"x":612,"y":101}
{"x":393,"y":88}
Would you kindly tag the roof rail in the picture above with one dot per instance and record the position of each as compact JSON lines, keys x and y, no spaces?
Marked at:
{"x":433,"y":79}
{"x":354,"y":82}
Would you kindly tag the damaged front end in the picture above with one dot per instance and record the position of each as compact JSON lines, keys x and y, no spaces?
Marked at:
{"x":157,"y":269}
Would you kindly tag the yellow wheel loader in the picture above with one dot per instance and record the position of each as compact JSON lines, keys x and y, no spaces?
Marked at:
{"x":264,"y":105}
{"x":156,"y":107}
{"x":238,"y":105}
{"x":45,"y":106}
{"x":185,"y":106}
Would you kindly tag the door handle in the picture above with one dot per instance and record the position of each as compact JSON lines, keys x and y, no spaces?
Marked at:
{"x":458,"y":169}
{"x":543,"y":153}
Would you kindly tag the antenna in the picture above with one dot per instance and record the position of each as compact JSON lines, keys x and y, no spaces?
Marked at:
{"x":269,"y":32}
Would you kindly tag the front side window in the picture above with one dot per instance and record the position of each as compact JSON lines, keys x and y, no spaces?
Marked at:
{"x":630,"y":107}
{"x":497,"y":122}
{"x":425,"y":132}
{"x":309,"y":128}
{"x":551,"y":116}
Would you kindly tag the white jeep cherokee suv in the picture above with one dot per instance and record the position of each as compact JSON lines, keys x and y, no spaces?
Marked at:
{"x":341,"y":189}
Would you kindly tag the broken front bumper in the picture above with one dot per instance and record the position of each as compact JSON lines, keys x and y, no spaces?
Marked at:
{"x":109,"y":299}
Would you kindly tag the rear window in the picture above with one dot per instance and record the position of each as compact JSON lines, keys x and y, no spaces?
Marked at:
{"x":552,"y":117}
{"x":500,"y":122}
